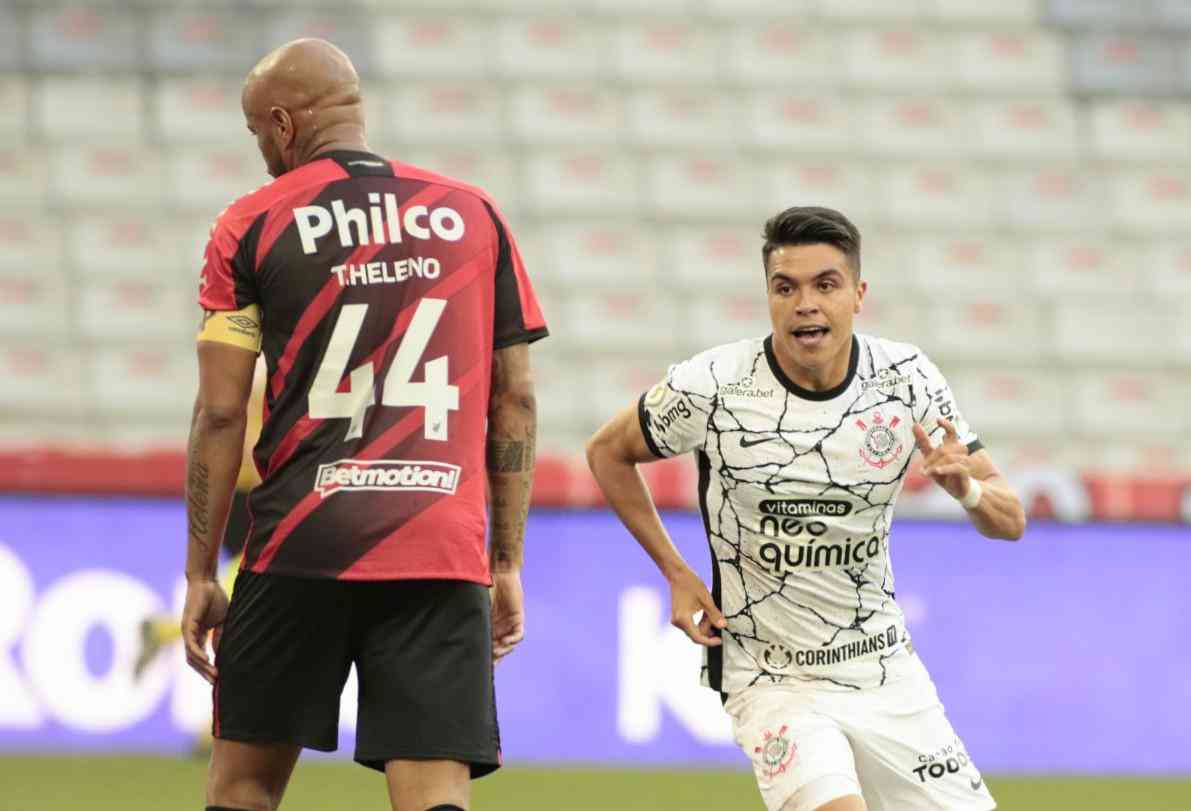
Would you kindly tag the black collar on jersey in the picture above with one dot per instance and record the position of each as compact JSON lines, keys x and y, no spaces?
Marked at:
{"x":808,"y":394}
{"x":359,"y":164}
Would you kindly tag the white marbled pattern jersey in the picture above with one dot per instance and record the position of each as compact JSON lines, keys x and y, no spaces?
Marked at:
{"x":797,"y":490}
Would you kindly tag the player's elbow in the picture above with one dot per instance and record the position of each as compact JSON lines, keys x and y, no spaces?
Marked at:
{"x":214,"y":415}
{"x":601,"y":449}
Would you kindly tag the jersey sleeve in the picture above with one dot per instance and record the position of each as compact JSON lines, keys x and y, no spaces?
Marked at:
{"x":674,"y":413}
{"x":518,"y":316}
{"x":225,"y":283}
{"x":940,"y":404}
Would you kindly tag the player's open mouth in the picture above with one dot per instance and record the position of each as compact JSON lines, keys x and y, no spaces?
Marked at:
{"x":810,"y":337}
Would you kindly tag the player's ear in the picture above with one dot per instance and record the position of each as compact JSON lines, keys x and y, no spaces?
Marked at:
{"x":283,"y":126}
{"x":861,"y":289}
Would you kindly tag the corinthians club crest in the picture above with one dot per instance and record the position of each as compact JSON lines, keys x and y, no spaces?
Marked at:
{"x":880,"y":446}
{"x":776,"y":752}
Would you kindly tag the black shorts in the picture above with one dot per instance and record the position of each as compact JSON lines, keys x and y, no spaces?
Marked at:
{"x":423,"y":655}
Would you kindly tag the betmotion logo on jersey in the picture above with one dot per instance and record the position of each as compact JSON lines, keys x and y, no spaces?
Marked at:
{"x":387,"y":224}
{"x":386,"y":474}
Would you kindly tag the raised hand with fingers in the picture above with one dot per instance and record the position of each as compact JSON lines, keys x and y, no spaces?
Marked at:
{"x":688,"y":596}
{"x":948,"y":464}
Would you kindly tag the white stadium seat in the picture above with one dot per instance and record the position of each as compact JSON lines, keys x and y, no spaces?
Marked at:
{"x":437,"y":46}
{"x":1023,"y":128}
{"x":905,"y":59}
{"x":719,"y":319}
{"x":909,"y":126}
{"x":806,"y":122}
{"x":616,"y":382}
{"x":1126,"y":404}
{"x":1051,"y":197}
{"x":444,"y":113}
{"x":625,"y":319}
{"x":492,"y":170}
{"x":1140,"y":130}
{"x":706,"y":185}
{"x":566,"y":114}
{"x":34,"y":305}
{"x":199,"y":110}
{"x":14,"y":35}
{"x":865,"y":11}
{"x":23,"y":176}
{"x":967,"y":263}
{"x":979,"y":12}
{"x":1108,"y":15}
{"x":15,"y":96}
{"x":581,"y":182}
{"x":552,"y":48}
{"x":351,"y":32}
{"x":657,"y":8}
{"x":155,"y":380}
{"x":1169,"y":264}
{"x":203,"y":41}
{"x":933,"y":195}
{"x":1015,"y":61}
{"x":30,"y":243}
{"x":676,"y":117}
{"x":208,"y":179}
{"x":716,"y":259}
{"x":127,"y":309}
{"x":1079,"y":265}
{"x":666,"y":50}
{"x":1152,"y":200}
{"x":770,"y":53}
{"x":886,"y":313}
{"x":1099,"y":331}
{"x":81,"y":37}
{"x":747,"y":9}
{"x":85,"y":108}
{"x":611,"y":254}
{"x":1013,"y":401}
{"x":1123,"y":63}
{"x":993,"y":328}
{"x":122,"y":246}
{"x":843,"y":185}
{"x":101,"y":175}
{"x":39,"y":379}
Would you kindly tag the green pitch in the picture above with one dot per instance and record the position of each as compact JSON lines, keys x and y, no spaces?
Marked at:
{"x":152,"y":784}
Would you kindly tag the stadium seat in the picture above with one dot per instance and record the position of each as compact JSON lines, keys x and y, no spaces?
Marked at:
{"x":581,"y":182}
{"x":1152,"y":200}
{"x":990,"y":328}
{"x":684,"y":117}
{"x":977,"y":262}
{"x":130,"y":383}
{"x":1082,"y":265}
{"x":14,"y":108}
{"x":351,"y":33}
{"x":551,"y":48}
{"x":86,"y":108}
{"x":128,"y":309}
{"x":593,"y":254}
{"x":620,"y":319}
{"x":1051,"y":197}
{"x":842,"y":185}
{"x":1140,"y":130}
{"x":28,"y":240}
{"x":885,"y":313}
{"x":1092,"y":331}
{"x":1127,"y":404}
{"x":903,"y":59}
{"x":199,"y":110}
{"x":667,"y":50}
{"x":980,"y":13}
{"x":23,"y":176}
{"x":1103,"y":15}
{"x":891,"y":126}
{"x":83,"y":37}
{"x":728,"y":317}
{"x":1012,"y":401}
{"x":443,"y":113}
{"x":441,"y":46}
{"x":1022,"y":128}
{"x":805,"y":122}
{"x":715,"y":260}
{"x":1121,"y":63}
{"x":769,"y":53}
{"x":492,"y":170}
{"x":13,"y":38}
{"x":630,"y":7}
{"x":201,"y":42}
{"x":865,"y":11}
{"x":1015,"y":61}
{"x":1172,"y":15}
{"x":34,"y":306}
{"x":747,"y":9}
{"x":98,"y":175}
{"x":566,"y":114}
{"x":207,"y":179}
{"x":39,"y":379}
{"x":705,"y":185}
{"x":1169,"y":262}
{"x":614,"y":382}
{"x":931,"y":195}
{"x":112,"y":246}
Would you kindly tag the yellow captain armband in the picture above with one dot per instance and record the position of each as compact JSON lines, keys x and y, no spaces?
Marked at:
{"x":240,"y":328}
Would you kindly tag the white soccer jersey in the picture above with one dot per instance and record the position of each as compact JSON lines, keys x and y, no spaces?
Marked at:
{"x":797,"y":489}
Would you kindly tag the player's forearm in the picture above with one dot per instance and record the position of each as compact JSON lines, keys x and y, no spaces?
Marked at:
{"x":623,"y":486}
{"x":999,"y":513}
{"x":512,"y":432}
{"x":212,"y":464}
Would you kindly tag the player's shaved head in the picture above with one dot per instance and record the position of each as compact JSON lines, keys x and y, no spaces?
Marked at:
{"x":302,"y":99}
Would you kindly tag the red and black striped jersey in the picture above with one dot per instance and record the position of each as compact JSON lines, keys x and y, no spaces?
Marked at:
{"x":383,"y":291}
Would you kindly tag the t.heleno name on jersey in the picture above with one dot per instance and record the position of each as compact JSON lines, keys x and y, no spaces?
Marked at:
{"x":797,"y":490}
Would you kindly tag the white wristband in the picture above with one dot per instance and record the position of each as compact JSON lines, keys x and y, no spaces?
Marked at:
{"x":975,"y":492}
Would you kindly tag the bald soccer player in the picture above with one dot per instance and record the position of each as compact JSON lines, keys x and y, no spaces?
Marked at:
{"x":394,"y":315}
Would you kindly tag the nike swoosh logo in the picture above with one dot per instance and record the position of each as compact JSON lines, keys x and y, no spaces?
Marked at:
{"x":976,"y":784}
{"x":745,"y":442}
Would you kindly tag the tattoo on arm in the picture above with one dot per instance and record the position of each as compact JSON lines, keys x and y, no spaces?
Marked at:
{"x":506,"y":456}
{"x":197,"y":504}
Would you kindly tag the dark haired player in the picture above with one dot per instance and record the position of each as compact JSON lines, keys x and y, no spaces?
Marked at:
{"x":803,"y":440}
{"x":394,"y":314}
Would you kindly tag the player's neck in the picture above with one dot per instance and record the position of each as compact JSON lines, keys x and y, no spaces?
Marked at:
{"x":338,"y":138}
{"x":822,"y":377}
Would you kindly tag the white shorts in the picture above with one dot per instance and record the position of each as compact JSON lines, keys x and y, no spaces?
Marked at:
{"x":891,"y":744}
